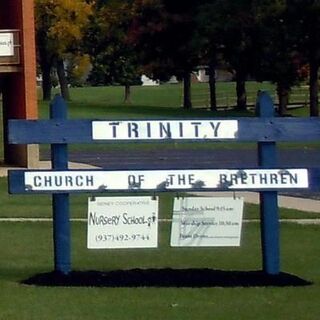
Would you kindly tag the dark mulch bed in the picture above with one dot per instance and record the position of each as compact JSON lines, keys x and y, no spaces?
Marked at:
{"x":194,"y":278}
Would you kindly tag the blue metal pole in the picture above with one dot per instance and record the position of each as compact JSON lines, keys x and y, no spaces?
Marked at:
{"x":267,"y":158}
{"x":60,"y":202}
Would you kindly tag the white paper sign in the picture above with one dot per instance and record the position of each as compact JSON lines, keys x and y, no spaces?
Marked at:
{"x":222,"y":179}
{"x":206,"y":222}
{"x":122,"y":222}
{"x":6,"y":45}
{"x":158,"y":130}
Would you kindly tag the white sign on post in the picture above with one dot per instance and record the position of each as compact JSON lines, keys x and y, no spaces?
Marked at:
{"x":157,"y":130}
{"x":6,"y":44}
{"x":206,"y":222}
{"x":122,"y":222}
{"x":85,"y":180}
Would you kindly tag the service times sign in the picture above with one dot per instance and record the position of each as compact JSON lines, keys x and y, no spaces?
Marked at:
{"x":6,"y":44}
{"x":206,"y":222}
{"x":122,"y":222}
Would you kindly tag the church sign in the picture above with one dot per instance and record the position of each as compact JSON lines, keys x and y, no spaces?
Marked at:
{"x":157,"y":180}
{"x":162,"y":129}
{"x":200,"y":224}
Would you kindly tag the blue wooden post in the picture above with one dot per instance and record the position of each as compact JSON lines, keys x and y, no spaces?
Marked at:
{"x":267,"y":158}
{"x":60,"y":202}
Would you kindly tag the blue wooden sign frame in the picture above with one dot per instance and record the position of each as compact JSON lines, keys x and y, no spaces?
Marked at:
{"x":265,"y":129}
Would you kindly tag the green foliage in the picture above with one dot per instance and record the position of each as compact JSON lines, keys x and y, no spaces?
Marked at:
{"x":280,"y":62}
{"x":114,"y":61}
{"x":266,"y":40}
{"x":60,"y":24}
{"x":304,"y":21}
{"x":78,"y":68}
{"x":60,"y":27}
{"x":162,"y":31}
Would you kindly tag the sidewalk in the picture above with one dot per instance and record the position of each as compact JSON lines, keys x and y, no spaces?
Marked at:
{"x":46,"y":165}
{"x":302,"y":204}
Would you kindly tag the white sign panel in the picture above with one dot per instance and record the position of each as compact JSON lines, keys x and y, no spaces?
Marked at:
{"x":222,"y":179}
{"x":158,"y":130}
{"x":122,"y":222}
{"x":6,"y":45}
{"x":206,"y":222}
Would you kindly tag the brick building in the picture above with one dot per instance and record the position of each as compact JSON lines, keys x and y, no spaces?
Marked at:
{"x":18,"y":74}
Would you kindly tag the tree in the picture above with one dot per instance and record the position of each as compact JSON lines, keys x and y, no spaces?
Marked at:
{"x":209,"y":41}
{"x":237,"y":25}
{"x":280,"y":61}
{"x":305,"y":25}
{"x":114,"y":61}
{"x":162,"y":32}
{"x":77,"y":69}
{"x":60,"y":27}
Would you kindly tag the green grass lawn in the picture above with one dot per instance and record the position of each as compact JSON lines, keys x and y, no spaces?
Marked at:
{"x":158,"y":101}
{"x":27,"y":250}
{"x":170,"y":95}
{"x":164,"y":101}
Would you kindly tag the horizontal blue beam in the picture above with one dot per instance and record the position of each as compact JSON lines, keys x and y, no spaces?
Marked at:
{"x":90,"y":181}
{"x":80,"y":131}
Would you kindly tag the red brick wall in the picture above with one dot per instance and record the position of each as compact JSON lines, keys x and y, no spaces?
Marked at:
{"x":19,"y":89}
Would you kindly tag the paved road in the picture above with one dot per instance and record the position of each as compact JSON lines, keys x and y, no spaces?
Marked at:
{"x":187,"y":159}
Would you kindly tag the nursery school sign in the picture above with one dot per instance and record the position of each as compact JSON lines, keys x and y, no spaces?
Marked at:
{"x":268,"y":178}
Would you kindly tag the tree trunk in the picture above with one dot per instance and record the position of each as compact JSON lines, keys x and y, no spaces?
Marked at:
{"x":212,"y":87}
{"x":45,"y":61}
{"x":46,"y":67}
{"x":283,"y":97}
{"x":127,"y":93}
{"x":314,"y":88}
{"x":1,"y":84}
{"x":62,"y":80}
{"x":187,"y":104}
{"x":241,"y":91}
{"x":46,"y":83}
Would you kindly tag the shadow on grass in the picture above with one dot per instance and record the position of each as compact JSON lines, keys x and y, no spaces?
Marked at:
{"x":193,"y":278}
